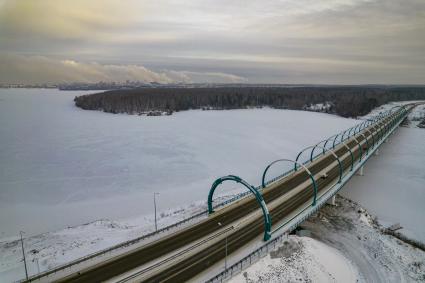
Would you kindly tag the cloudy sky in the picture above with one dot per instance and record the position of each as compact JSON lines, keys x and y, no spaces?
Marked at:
{"x":286,"y":41}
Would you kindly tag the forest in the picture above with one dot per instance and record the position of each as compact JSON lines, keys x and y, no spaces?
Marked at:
{"x":346,"y":101}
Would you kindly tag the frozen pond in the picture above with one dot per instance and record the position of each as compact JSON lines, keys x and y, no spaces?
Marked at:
{"x":62,"y":166}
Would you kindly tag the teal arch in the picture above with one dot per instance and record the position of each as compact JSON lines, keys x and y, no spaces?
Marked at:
{"x":373,"y":137}
{"x":367,"y":142}
{"x":357,"y":128}
{"x":362,"y":125}
{"x":330,"y":150}
{"x":336,"y":137}
{"x":329,"y":140}
{"x":254,"y":191}
{"x":351,"y":153}
{"x":399,"y":106}
{"x":343,"y":134}
{"x":375,"y":128}
{"x":381,"y":133}
{"x":354,"y":128}
{"x":360,"y":147}
{"x":317,"y":146}
{"x":301,"y":165}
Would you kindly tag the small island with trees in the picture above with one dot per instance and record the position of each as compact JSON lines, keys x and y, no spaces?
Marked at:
{"x":346,"y":101}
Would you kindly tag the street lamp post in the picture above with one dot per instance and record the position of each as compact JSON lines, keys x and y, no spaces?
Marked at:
{"x":225,"y":255}
{"x":23,"y":255}
{"x":154,"y":205}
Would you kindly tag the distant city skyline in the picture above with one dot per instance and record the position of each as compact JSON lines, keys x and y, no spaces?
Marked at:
{"x":213,"y":41}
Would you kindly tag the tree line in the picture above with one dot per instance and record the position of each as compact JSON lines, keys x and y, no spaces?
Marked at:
{"x":346,"y":101}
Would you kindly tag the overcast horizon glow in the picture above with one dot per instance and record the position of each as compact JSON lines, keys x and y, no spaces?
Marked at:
{"x":291,"y":41}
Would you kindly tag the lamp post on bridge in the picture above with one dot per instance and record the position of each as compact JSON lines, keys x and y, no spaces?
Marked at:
{"x":225,"y":256}
{"x":154,"y":205}
{"x":226,"y":242}
{"x":23,"y":255}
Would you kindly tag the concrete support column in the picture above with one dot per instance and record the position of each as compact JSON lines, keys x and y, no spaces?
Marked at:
{"x":360,"y":171}
{"x":331,"y":201}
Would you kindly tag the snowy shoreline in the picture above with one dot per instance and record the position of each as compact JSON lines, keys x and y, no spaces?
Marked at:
{"x":346,"y":245}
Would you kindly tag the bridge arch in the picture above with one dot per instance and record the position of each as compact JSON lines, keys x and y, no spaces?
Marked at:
{"x":379,"y":128}
{"x":398,"y":106}
{"x":301,"y":165}
{"x":351,"y":153}
{"x":367,"y":142}
{"x":362,"y":125}
{"x":330,"y":150}
{"x":317,"y":146}
{"x":336,"y":137}
{"x":360,"y":147}
{"x":354,"y":128}
{"x":254,"y":191}
{"x":328,"y":139}
{"x":373,"y":137}
{"x":348,"y":131}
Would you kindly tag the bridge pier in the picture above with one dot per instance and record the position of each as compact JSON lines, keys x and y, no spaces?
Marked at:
{"x":377,"y":151}
{"x":332,"y":200}
{"x":360,"y":171}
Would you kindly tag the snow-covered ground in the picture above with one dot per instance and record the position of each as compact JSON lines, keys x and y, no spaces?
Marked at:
{"x":319,"y":107}
{"x":346,"y":245}
{"x":48,"y":250}
{"x":301,"y":259}
{"x":378,"y":257}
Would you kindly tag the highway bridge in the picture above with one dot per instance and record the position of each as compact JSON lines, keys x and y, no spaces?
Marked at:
{"x":260,"y":215}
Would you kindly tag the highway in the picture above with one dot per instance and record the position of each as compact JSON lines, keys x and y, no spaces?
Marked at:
{"x":179,"y":256}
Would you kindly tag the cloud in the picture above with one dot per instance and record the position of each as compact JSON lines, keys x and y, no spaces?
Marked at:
{"x":277,"y":41}
{"x":199,"y":77}
{"x":40,"y":69}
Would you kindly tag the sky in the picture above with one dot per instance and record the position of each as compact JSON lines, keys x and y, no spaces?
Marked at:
{"x":216,"y":41}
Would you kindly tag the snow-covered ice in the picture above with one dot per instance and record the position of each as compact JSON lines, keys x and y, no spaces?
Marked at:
{"x":62,"y":166}
{"x":393,"y":185}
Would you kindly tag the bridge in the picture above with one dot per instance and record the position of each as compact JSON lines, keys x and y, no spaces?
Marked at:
{"x":262,"y":214}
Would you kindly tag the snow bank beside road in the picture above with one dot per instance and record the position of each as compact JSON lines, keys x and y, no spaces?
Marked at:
{"x":346,"y":246}
{"x":48,"y":250}
{"x":354,"y":232}
{"x":301,"y":259}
